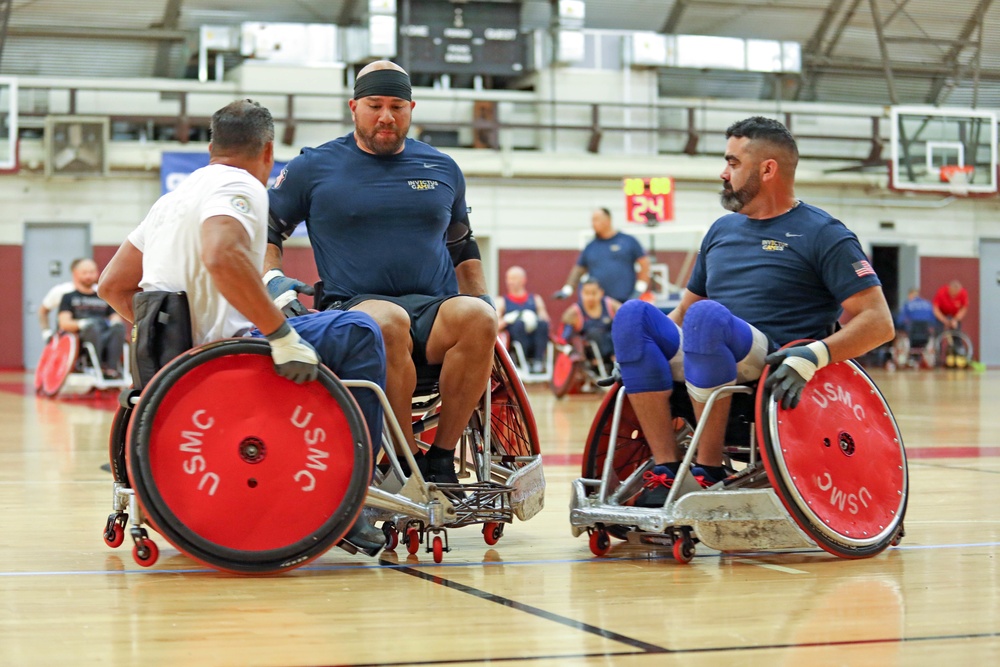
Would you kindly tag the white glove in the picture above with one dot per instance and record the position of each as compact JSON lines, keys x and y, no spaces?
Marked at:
{"x":530,"y":319}
{"x":641,"y":286}
{"x":46,"y":334}
{"x":564,"y":292}
{"x":86,"y":323}
{"x":510,"y":317}
{"x":293,"y":357}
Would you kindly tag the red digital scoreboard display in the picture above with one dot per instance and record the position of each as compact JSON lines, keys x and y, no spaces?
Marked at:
{"x":649,"y":201}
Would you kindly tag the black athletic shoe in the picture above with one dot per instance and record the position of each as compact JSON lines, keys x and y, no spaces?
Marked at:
{"x":656,"y":484}
{"x":441,"y":470}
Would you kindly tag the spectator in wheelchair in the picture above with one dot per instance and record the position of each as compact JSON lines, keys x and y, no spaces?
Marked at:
{"x":951,"y":303}
{"x":207,"y":239}
{"x":51,"y":302}
{"x":83,"y":312}
{"x":591,"y":317}
{"x":610,"y":258}
{"x":389,"y":228}
{"x":523,"y":315}
{"x":774,"y":271}
{"x":917,"y":318}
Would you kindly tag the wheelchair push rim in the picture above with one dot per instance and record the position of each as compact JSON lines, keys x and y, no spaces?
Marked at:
{"x":837,"y":461}
{"x":235,"y":489}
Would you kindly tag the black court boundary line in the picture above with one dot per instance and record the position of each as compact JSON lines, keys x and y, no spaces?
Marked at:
{"x":660,"y":650}
{"x":645,"y":647}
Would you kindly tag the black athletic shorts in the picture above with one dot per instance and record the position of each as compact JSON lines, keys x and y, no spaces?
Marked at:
{"x":421,"y":309}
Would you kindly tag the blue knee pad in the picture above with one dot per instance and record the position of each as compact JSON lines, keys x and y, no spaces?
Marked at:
{"x":644,"y":340}
{"x":714,"y":341}
{"x":350,"y":344}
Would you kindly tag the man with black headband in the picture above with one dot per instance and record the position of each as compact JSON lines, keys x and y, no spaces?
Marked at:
{"x":389,"y":228}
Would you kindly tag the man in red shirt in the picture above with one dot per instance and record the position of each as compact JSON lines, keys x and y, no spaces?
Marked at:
{"x":950,"y":304}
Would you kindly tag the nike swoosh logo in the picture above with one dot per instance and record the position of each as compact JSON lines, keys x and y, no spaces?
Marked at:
{"x":791,"y":236}
{"x":429,"y":166}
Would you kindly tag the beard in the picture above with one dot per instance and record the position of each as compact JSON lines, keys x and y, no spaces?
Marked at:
{"x":381,"y":145}
{"x":735,"y":200}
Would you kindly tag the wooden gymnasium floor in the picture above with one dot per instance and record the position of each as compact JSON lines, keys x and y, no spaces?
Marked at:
{"x":537,"y":598}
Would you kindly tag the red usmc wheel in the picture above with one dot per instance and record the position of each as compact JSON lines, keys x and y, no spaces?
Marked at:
{"x":837,"y":461}
{"x":242,"y":469}
{"x":57,"y":362}
{"x":567,"y":373}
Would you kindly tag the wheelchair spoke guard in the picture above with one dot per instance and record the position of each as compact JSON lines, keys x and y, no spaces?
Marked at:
{"x":837,"y":461}
{"x":242,"y":469}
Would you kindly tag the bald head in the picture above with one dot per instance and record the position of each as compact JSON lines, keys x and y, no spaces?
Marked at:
{"x":380,"y":65}
{"x":517,"y":278}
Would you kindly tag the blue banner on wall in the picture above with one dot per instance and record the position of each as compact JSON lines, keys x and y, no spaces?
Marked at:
{"x":175,"y":167}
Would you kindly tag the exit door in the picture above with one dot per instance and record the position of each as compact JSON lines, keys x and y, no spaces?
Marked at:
{"x":48,"y":249}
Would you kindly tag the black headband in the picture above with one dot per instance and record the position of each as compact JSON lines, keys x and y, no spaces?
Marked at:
{"x":383,"y":82}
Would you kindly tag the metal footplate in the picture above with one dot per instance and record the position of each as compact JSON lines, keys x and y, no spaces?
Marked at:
{"x":736,"y":520}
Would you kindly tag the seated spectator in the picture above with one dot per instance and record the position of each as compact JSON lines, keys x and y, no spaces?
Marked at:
{"x":523,"y":315}
{"x":81,"y":311}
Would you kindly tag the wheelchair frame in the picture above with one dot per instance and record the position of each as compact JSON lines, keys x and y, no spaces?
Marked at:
{"x":508,"y":484}
{"x":757,"y":509}
{"x":90,"y":378}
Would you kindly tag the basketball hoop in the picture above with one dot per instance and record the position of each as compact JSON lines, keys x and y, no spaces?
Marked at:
{"x":957,"y":177}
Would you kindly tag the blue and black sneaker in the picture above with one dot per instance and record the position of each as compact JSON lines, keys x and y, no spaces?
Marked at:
{"x":656,"y":485}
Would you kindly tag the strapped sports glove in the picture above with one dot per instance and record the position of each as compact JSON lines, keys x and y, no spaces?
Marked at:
{"x":511,"y":317}
{"x":46,"y":334}
{"x":641,"y":286}
{"x":293,"y":357}
{"x":284,"y":292}
{"x":86,"y":323}
{"x":795,"y":367}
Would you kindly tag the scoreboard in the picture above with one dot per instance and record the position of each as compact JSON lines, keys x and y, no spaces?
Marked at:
{"x":649,"y":201}
{"x":441,"y":37}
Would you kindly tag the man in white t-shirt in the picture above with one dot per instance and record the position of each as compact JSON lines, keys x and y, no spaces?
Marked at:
{"x":207,"y":239}
{"x":50,"y":302}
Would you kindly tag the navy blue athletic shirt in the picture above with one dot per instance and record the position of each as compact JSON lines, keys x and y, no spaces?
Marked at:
{"x":787,"y":275}
{"x":612,"y":262}
{"x":377,"y":224}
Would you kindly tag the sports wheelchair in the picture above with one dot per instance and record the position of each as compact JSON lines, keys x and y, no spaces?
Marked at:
{"x":915,"y":347}
{"x":954,"y":349}
{"x":193,"y":460}
{"x":520,"y":359}
{"x":577,"y":365}
{"x":832,"y":472}
{"x":66,"y":368}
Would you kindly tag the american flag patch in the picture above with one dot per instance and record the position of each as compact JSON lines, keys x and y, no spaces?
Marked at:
{"x":863,"y":268}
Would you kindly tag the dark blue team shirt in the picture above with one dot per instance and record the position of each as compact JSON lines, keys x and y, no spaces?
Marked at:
{"x":377,"y":224}
{"x":612,"y":262}
{"x":787,"y":275}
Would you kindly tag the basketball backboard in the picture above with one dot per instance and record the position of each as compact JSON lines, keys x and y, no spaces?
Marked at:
{"x":944,"y":150}
{"x":8,"y":124}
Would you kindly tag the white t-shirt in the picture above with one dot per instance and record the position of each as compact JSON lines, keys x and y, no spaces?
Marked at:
{"x":170,"y":240}
{"x":54,"y":296}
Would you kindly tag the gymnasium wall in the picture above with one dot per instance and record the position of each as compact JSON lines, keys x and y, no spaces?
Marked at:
{"x":536,"y":219}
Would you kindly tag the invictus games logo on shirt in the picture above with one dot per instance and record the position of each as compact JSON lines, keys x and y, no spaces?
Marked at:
{"x":768,"y":245}
{"x":423,"y":185}
{"x":241,"y":204}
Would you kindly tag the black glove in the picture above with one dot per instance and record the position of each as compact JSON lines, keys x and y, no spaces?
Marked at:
{"x":616,"y":376}
{"x":795,"y":367}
